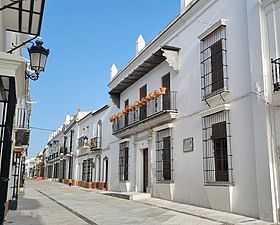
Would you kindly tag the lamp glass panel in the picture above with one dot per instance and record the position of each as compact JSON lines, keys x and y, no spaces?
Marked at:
{"x":43,"y":62}
{"x":35,"y":60}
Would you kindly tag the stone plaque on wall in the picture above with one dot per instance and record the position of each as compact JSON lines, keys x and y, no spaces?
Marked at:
{"x":188,"y":144}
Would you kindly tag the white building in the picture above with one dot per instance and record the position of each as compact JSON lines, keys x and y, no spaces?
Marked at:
{"x":29,"y":167}
{"x":78,"y":153}
{"x":15,"y":107}
{"x":209,"y":137}
{"x":195,"y":114}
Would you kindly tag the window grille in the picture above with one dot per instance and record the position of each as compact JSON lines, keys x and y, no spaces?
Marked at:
{"x":84,"y":170}
{"x":217,"y":156}
{"x":56,"y":170}
{"x":123,"y":161}
{"x":63,"y":168}
{"x":70,"y":173}
{"x":214,"y":78}
{"x":276,"y":74}
{"x":89,"y":170}
{"x":164,"y":156}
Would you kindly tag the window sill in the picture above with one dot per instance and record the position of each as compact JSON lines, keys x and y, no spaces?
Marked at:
{"x":123,"y":181}
{"x":165,"y":182}
{"x":219,"y":184}
{"x":215,"y":93}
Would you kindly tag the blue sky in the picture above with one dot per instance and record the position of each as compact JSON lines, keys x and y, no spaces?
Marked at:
{"x":85,"y":39}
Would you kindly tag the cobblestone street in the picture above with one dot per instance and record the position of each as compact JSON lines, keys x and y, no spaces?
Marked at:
{"x":46,"y":202}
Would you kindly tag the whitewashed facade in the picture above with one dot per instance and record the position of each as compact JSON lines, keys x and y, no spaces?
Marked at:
{"x":82,"y":155}
{"x":211,"y":136}
{"x":212,"y":139}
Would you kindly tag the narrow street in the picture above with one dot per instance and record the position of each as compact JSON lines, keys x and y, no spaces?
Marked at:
{"x":46,"y":202}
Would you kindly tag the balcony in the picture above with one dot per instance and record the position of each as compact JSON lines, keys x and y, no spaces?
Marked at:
{"x":22,"y":127}
{"x":156,"y":112}
{"x":95,"y":144}
{"x":276,"y":74}
{"x":83,"y":142}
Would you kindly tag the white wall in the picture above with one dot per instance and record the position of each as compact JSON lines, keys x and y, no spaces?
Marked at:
{"x":251,"y":194}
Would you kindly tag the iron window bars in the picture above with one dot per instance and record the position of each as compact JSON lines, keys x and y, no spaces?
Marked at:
{"x":214,"y":77}
{"x":56,"y":170}
{"x":161,"y":104}
{"x":50,"y":171}
{"x":217,"y":156}
{"x":23,"y":116}
{"x":83,"y":142}
{"x":275,"y":63}
{"x":87,"y":170}
{"x":123,"y":161}
{"x":70,"y":169}
{"x":164,"y":156}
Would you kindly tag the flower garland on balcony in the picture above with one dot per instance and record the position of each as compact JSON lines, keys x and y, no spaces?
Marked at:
{"x":138,"y":104}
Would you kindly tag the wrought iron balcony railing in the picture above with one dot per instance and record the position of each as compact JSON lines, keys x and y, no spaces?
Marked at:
{"x":95,"y":143}
{"x":276,"y":74}
{"x":22,"y":127}
{"x":22,"y":120}
{"x":153,"y":108}
{"x":83,"y":142}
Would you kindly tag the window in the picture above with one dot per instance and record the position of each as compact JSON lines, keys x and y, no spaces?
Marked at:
{"x":123,"y":161}
{"x":56,"y":170}
{"x":70,"y":173}
{"x":164,"y":156}
{"x":165,"y":80}
{"x":87,"y":170}
{"x":71,"y":140}
{"x":217,"y":157}
{"x":84,"y":171}
{"x":126,"y":104}
{"x":214,"y":77}
{"x":143,"y":108}
{"x":63,"y":169}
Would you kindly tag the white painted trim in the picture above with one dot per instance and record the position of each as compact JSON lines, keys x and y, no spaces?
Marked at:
{"x":215,"y":110}
{"x":221,"y":22}
{"x":163,"y":127}
{"x":124,"y":140}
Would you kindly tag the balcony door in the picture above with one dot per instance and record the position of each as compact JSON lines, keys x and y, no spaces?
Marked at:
{"x":143,"y":108}
{"x":165,"y":82}
{"x":126,"y":104}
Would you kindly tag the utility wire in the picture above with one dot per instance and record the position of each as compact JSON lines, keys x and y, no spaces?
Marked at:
{"x":44,"y":129}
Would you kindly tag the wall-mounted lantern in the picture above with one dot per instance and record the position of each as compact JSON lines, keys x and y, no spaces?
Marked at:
{"x":38,"y":57}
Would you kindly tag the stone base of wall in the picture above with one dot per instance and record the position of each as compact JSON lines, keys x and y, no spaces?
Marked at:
{"x":84,"y":184}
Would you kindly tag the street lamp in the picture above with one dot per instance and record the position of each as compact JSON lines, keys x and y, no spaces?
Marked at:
{"x":38,"y":57}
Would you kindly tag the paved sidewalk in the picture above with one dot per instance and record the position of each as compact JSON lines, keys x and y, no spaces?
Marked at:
{"x":46,"y":202}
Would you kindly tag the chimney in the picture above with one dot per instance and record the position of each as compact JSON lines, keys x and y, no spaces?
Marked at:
{"x":140,"y":44}
{"x":184,"y":4}
{"x":113,"y":71}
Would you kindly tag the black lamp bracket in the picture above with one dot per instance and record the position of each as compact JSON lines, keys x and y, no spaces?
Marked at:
{"x":32,"y":76}
{"x":22,"y":44}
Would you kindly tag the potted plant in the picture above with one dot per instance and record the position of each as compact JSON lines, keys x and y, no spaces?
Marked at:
{"x":157,"y":93}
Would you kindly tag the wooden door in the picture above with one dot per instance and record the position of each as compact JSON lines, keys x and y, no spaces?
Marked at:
{"x":165,"y":80}
{"x":219,"y":137}
{"x":217,"y":66}
{"x":126,"y":104}
{"x":145,"y":170}
{"x":143,"y":108}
